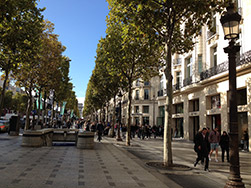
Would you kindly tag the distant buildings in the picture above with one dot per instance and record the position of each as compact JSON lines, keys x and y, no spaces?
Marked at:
{"x":80,"y":109}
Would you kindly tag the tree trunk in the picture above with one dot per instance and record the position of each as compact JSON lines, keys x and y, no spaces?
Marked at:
{"x":168,"y":159}
{"x":52,"y":109}
{"x":38,"y":108}
{"x":107,"y":114}
{"x":113,"y":116}
{"x":128,"y":133}
{"x":3,"y":91}
{"x":44,"y":108}
{"x":28,"y":110}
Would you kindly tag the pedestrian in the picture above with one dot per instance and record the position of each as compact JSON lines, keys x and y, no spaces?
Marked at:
{"x":100,"y":129}
{"x":93,"y":127}
{"x":68,"y":124}
{"x":123,"y":129}
{"x":224,"y":144}
{"x":154,"y":131}
{"x":196,"y":147}
{"x":202,"y":147}
{"x":246,"y":140}
{"x":214,"y":139}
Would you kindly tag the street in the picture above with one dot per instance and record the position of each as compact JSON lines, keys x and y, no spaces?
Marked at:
{"x":110,"y":164}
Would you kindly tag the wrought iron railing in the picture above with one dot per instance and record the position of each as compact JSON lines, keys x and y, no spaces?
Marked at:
{"x":187,"y":81}
{"x":244,"y":59}
{"x":214,"y":70}
{"x":176,"y":87}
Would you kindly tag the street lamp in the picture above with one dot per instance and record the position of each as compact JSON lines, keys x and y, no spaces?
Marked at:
{"x":230,"y":22}
{"x":119,"y":119}
{"x":34,"y":111}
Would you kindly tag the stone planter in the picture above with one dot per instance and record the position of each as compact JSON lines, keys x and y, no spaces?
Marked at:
{"x":85,"y":140}
{"x":33,"y":138}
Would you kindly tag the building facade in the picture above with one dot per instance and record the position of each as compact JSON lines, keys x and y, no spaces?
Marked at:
{"x":201,"y":81}
{"x":200,"y":85}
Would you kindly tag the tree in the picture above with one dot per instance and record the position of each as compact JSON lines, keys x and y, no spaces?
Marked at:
{"x":131,"y":54}
{"x":50,"y":63}
{"x":19,"y":103}
{"x":174,"y":25}
{"x":105,"y":83}
{"x":20,"y":26}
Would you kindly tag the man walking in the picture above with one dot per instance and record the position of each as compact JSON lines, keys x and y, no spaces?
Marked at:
{"x":224,"y":143}
{"x":214,"y":139}
{"x":202,"y":147}
{"x":100,"y":129}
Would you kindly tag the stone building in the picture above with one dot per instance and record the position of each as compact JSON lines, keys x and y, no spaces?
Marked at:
{"x":200,"y":85}
{"x":201,"y":81}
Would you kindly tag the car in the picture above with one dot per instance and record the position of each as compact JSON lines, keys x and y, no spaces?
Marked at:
{"x":4,"y":125}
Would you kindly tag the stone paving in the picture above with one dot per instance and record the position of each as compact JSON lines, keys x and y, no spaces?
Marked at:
{"x":67,"y":166}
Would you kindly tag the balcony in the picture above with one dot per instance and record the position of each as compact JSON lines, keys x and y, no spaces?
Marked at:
{"x":177,"y":87}
{"x":244,"y":59}
{"x":187,"y":81}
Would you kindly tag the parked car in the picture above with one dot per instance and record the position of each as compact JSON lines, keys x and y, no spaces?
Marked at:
{"x":4,"y":125}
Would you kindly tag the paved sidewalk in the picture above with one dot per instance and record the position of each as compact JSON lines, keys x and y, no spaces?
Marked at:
{"x":183,"y":153}
{"x":67,"y":166}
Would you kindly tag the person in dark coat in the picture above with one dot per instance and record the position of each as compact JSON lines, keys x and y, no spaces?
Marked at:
{"x":202,"y":146}
{"x":196,"y":148}
{"x":246,"y":140}
{"x":224,"y":144}
{"x":100,"y":129}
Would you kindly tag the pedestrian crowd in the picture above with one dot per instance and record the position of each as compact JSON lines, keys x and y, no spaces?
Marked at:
{"x":207,"y":142}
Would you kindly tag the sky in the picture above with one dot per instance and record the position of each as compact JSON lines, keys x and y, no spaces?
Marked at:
{"x":80,"y":25}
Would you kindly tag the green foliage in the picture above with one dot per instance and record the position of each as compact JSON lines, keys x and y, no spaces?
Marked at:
{"x":20,"y":29}
{"x":32,"y":53}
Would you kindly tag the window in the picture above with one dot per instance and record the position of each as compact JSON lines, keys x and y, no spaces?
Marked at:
{"x":215,"y":102}
{"x":179,"y":108}
{"x":162,"y":111}
{"x":200,"y":66}
{"x":136,"y":121}
{"x":136,"y":109}
{"x":137,"y":82}
{"x":188,"y":67}
{"x":196,"y":105}
{"x":146,"y":94}
{"x":137,"y":95}
{"x":178,"y":78}
{"x":213,"y":29}
{"x":214,"y":56}
{"x":145,"y":120}
{"x":146,"y":109}
{"x":242,"y":96}
{"x":146,"y":83}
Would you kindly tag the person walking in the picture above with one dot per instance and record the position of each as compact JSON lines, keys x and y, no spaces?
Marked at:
{"x":214,"y":139}
{"x":224,"y":144}
{"x":246,"y":140}
{"x":202,"y":147}
{"x":100,"y":129}
{"x":197,"y":149}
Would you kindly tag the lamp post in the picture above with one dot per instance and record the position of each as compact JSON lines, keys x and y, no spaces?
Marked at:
{"x":119,"y":119}
{"x":230,"y":22}
{"x":34,"y":111}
